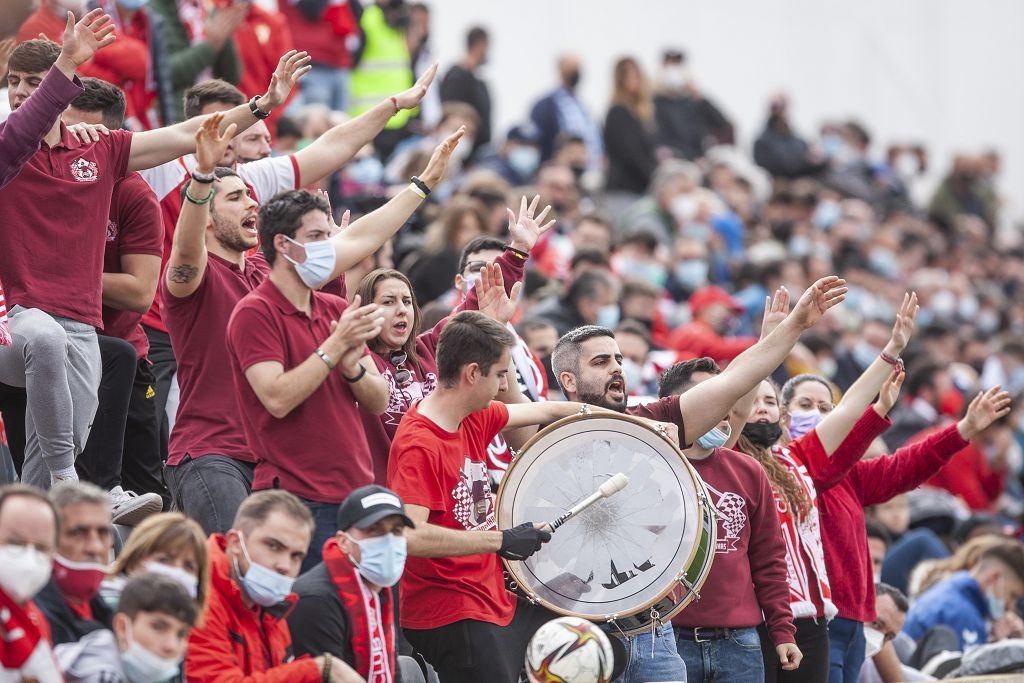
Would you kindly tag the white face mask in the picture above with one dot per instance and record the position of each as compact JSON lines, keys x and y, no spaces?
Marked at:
{"x":25,"y":571}
{"x":319,"y":264}
{"x":189,"y":582}
{"x":142,"y":666}
{"x":874,"y":640}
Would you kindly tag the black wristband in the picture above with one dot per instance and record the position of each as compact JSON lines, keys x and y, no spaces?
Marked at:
{"x":518,"y":252}
{"x":256,"y":111}
{"x":420,"y":184}
{"x":353,"y":380}
{"x":205,"y":178}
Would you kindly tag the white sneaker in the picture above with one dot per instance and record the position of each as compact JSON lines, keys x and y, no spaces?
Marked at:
{"x":129,"y":508}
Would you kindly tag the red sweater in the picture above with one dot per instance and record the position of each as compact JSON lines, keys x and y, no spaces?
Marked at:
{"x":968,"y":476}
{"x":698,"y":338}
{"x":870,"y":482}
{"x":748,"y":576}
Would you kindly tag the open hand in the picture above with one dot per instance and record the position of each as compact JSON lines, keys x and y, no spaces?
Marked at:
{"x":438,"y":164}
{"x":87,"y":132}
{"x":986,"y":408}
{"x":890,"y":392}
{"x":776,"y":308}
{"x":819,"y":297}
{"x":87,"y":37}
{"x":211,"y":143}
{"x":903,"y":328}
{"x":789,"y":655}
{"x":524,"y":229}
{"x":491,"y":297}
{"x":335,"y":228}
{"x":292,"y":66}
{"x":409,"y":99}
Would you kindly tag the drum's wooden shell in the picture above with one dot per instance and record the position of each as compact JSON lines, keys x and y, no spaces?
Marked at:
{"x":660,"y":528}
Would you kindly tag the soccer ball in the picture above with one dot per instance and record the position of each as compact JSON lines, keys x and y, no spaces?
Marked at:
{"x":569,"y":650}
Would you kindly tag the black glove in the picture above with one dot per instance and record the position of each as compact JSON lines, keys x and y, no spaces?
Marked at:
{"x":518,"y":543}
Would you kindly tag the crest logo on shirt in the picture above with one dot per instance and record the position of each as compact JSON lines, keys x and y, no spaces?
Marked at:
{"x":111,"y":231}
{"x":732,"y":517}
{"x":84,"y":171}
{"x":474,"y":505}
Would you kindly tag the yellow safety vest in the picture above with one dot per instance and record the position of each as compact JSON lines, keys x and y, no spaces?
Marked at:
{"x":384,"y":70}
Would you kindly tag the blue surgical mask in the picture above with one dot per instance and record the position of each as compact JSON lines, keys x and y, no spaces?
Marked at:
{"x":188,"y":581}
{"x":382,"y":559}
{"x":715,"y":438}
{"x":608,"y":316}
{"x":319,"y":264}
{"x":802,"y":422}
{"x":996,"y":605}
{"x":142,"y":666}
{"x":524,"y":160}
{"x":264,"y":586}
{"x":826,"y":214}
{"x":692,"y":273}
{"x":366,"y":171}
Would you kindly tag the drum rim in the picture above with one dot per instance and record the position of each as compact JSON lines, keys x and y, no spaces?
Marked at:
{"x":512,"y":566}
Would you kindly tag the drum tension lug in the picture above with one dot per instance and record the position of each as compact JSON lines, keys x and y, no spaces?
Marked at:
{"x":689,"y":586}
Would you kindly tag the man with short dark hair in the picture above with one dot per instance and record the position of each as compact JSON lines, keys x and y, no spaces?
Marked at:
{"x":462,"y":83}
{"x":28,"y":536}
{"x":455,"y":609}
{"x":591,"y":299}
{"x":252,"y":570}
{"x":345,"y":602}
{"x":211,"y":465}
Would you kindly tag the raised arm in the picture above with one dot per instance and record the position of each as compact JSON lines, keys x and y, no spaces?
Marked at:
{"x":837,"y":424}
{"x":187,"y":263}
{"x":154,"y":147}
{"x":366,"y":235}
{"x":704,"y":405}
{"x":333,"y":149}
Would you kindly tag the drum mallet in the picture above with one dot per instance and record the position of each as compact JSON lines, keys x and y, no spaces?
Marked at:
{"x":615,"y":484}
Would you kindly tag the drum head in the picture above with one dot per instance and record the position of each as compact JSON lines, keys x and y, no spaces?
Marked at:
{"x":622,"y":554}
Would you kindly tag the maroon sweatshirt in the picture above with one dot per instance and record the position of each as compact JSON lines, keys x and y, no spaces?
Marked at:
{"x":748,"y":576}
{"x":380,"y":429}
{"x":870,"y":482}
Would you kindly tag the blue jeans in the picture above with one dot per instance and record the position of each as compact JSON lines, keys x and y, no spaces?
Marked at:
{"x":325,"y":521}
{"x":326,"y":85}
{"x":845,"y":650}
{"x":652,"y":658}
{"x":736,"y":659}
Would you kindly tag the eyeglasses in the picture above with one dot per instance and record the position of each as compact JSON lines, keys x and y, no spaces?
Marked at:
{"x":403,"y":377}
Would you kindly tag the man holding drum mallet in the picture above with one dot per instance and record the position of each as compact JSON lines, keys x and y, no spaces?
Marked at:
{"x":587,"y":363}
{"x":455,"y":609}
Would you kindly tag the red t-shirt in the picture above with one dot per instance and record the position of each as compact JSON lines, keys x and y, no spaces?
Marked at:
{"x":54,"y":217}
{"x":318,"y":451}
{"x":446,"y":473}
{"x":135,"y":227}
{"x":264,"y":178}
{"x":750,"y":557}
{"x":208,"y":420}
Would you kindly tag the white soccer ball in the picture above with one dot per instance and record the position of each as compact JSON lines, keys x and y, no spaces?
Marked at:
{"x":569,"y":650}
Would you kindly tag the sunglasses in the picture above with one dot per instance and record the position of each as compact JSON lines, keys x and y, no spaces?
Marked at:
{"x":403,"y":377}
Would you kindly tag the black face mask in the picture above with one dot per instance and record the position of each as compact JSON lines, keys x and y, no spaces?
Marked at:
{"x":763,"y":434}
{"x":572,"y":79}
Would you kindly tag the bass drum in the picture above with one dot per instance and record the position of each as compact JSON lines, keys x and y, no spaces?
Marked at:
{"x":636,"y":558}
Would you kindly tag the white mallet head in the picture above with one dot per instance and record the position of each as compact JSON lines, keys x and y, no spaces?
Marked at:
{"x":613,"y":485}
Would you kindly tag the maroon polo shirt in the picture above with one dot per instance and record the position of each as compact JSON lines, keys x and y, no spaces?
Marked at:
{"x":208,"y":418}
{"x":54,"y":217}
{"x":135,"y":227}
{"x":318,"y":451}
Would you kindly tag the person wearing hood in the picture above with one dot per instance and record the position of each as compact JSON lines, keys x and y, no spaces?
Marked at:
{"x":346,"y":602}
{"x":244,"y":633}
{"x":28,"y":538}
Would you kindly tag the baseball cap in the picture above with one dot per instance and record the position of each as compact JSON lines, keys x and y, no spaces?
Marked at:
{"x":706,"y":296}
{"x":370,"y":504}
{"x":526,"y":132}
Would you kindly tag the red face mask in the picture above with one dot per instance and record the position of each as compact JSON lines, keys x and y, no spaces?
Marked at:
{"x":78,"y":580}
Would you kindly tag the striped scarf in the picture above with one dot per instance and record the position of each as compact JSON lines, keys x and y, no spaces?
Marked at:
{"x":5,"y":333}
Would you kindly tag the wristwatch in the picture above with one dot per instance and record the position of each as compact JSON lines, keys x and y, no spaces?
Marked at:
{"x":256,"y":111}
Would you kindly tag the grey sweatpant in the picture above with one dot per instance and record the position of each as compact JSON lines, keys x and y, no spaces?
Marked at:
{"x":57,"y":360}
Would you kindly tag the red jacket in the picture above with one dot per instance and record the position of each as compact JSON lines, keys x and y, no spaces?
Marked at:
{"x":326,"y":38}
{"x":237,"y":643}
{"x":968,"y":476}
{"x":698,"y":338}
{"x":870,"y":482}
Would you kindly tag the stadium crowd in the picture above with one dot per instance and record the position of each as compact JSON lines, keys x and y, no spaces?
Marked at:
{"x":280,"y":305}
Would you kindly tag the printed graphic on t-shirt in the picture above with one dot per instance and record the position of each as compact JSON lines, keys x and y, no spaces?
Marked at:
{"x":474,"y":506}
{"x":732,"y":517}
{"x":499,"y":457}
{"x":111,"y":231}
{"x":84,"y":171}
{"x":400,"y":398}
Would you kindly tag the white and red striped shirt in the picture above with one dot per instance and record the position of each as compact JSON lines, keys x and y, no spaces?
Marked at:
{"x":5,"y":332}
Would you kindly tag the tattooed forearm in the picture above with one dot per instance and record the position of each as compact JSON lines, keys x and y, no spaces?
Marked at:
{"x":182,"y":274}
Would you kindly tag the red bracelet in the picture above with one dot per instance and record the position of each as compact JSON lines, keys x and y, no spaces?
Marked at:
{"x":394,"y":101}
{"x":895,"y":362}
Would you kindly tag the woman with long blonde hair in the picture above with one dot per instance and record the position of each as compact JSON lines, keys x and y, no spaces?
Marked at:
{"x":629,"y":131}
